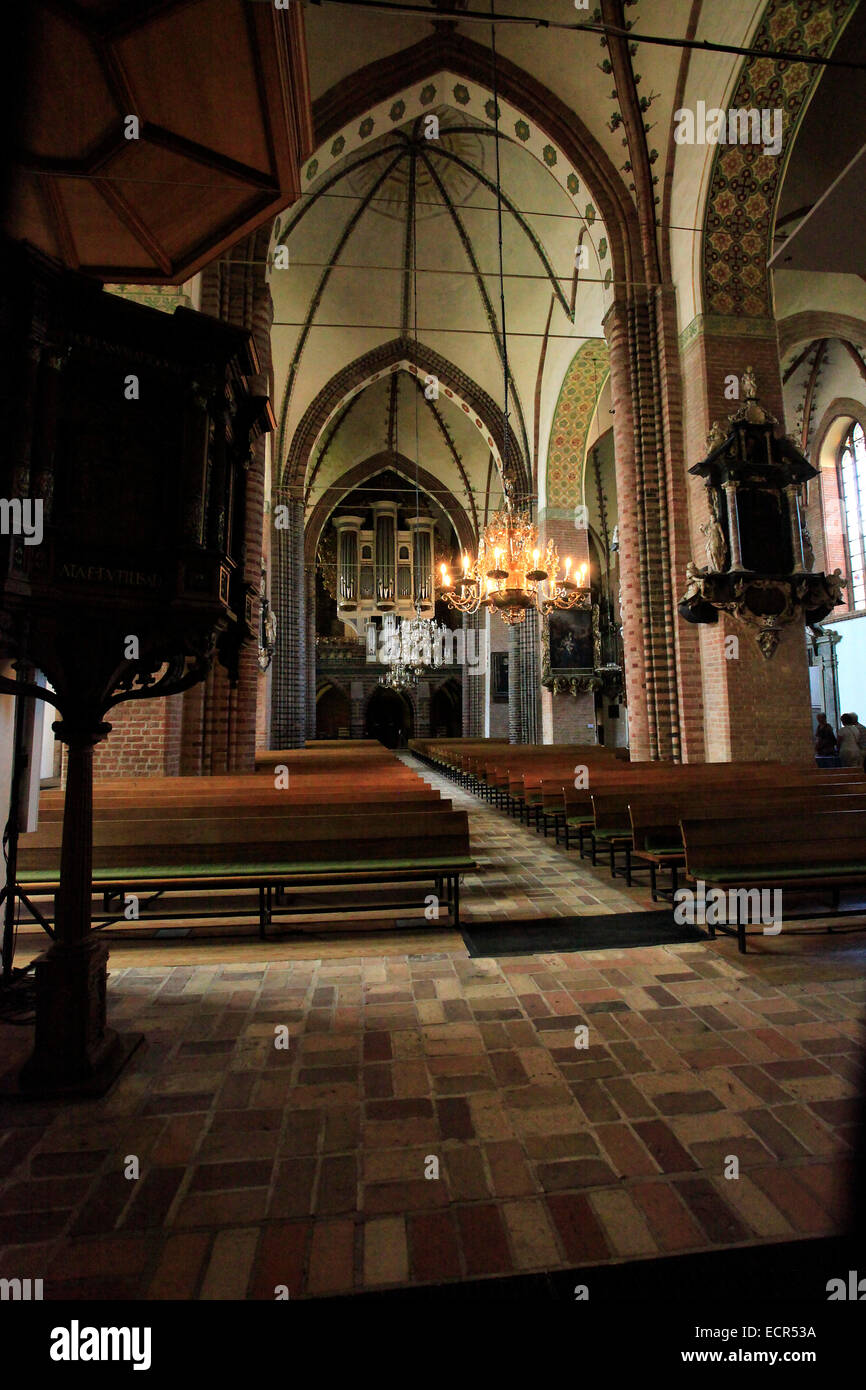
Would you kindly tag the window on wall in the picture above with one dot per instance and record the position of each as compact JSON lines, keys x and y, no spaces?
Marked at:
{"x":852,"y":487}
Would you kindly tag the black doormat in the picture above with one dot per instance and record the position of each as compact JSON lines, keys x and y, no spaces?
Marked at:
{"x":545,"y":934}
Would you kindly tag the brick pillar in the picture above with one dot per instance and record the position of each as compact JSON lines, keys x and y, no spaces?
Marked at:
{"x":529,"y":659}
{"x":289,"y":691}
{"x":653,"y":532}
{"x":310,"y":631}
{"x":473,"y":686}
{"x":634,"y":593}
{"x":219,"y":723}
{"x":357,"y":707}
{"x":524,"y":679}
{"x":421,"y":705}
{"x":753,"y":708}
{"x":684,"y":650}
{"x":466,"y":695}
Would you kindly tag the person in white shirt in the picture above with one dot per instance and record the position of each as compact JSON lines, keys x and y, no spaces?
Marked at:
{"x":852,"y":742}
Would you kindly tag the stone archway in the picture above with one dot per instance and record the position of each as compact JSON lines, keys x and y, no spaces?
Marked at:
{"x":414,"y":357}
{"x":333,"y":710}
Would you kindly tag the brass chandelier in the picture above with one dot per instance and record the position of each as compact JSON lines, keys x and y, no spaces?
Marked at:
{"x":509,"y":576}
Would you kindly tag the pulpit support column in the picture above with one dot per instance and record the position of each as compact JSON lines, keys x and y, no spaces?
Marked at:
{"x":75,"y":1052}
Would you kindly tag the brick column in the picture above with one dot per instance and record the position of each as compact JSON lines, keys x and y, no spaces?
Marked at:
{"x":219,"y":723}
{"x":754,"y":708}
{"x":524,"y":680}
{"x":310,"y":633}
{"x":289,"y":691}
{"x":357,"y":707}
{"x":473,"y":686}
{"x":634,"y":593}
{"x":647,"y":440}
{"x":422,"y":710}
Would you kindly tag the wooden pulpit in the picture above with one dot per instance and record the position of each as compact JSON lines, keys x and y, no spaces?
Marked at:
{"x":122,"y":569}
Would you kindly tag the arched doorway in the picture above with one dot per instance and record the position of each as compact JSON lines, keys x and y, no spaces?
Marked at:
{"x":390,"y":718}
{"x":446,"y":710}
{"x":332,"y":713}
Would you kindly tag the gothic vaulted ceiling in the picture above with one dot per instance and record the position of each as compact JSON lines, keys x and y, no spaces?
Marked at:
{"x":388,"y":263}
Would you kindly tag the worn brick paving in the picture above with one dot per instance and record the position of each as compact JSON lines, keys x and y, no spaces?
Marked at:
{"x":311,"y":1167}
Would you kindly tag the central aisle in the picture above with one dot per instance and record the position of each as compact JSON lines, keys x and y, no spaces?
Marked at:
{"x":522,"y":875}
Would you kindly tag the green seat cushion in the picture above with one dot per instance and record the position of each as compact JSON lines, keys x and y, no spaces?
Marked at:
{"x":778,"y":871}
{"x":255,"y":871}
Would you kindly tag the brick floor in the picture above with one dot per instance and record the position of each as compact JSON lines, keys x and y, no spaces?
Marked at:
{"x":432,"y":1119}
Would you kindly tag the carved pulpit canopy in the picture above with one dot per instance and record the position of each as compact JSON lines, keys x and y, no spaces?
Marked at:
{"x":758,"y":550}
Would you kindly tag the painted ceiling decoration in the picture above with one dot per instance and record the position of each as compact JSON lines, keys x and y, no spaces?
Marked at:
{"x":475,"y":101}
{"x":574,"y":411}
{"x":745,"y":183}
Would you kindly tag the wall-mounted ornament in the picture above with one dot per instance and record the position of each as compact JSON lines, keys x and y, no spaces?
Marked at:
{"x":758,"y":549}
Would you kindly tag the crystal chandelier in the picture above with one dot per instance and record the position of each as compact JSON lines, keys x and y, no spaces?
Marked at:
{"x":509,"y":575}
{"x":409,"y":647}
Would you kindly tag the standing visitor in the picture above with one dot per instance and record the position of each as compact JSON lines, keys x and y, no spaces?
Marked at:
{"x":825,"y":738}
{"x":852,"y":742}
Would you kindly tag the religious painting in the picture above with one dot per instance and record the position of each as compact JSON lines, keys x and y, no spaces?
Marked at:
{"x":570,"y":637}
{"x":499,"y":676}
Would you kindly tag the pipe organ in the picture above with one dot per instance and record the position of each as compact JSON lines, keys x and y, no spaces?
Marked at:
{"x":384,"y":568}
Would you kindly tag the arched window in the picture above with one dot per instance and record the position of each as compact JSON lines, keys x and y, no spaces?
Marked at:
{"x":852,"y":489}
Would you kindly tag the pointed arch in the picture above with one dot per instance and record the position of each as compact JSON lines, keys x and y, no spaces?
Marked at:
{"x":407,"y":355}
{"x":560,"y":131}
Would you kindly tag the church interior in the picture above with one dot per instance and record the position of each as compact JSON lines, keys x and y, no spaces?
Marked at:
{"x":432,"y":631}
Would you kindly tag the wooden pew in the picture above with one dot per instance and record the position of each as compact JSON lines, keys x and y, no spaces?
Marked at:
{"x":657,"y":836}
{"x":822,"y":851}
{"x":613,"y":830}
{"x":281,"y":804}
{"x":266,"y":853}
{"x":612,"y":827}
{"x":348,"y":816}
{"x":498,"y":776}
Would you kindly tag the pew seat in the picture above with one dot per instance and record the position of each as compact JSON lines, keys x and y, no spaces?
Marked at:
{"x":228,"y":835}
{"x":823,"y":851}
